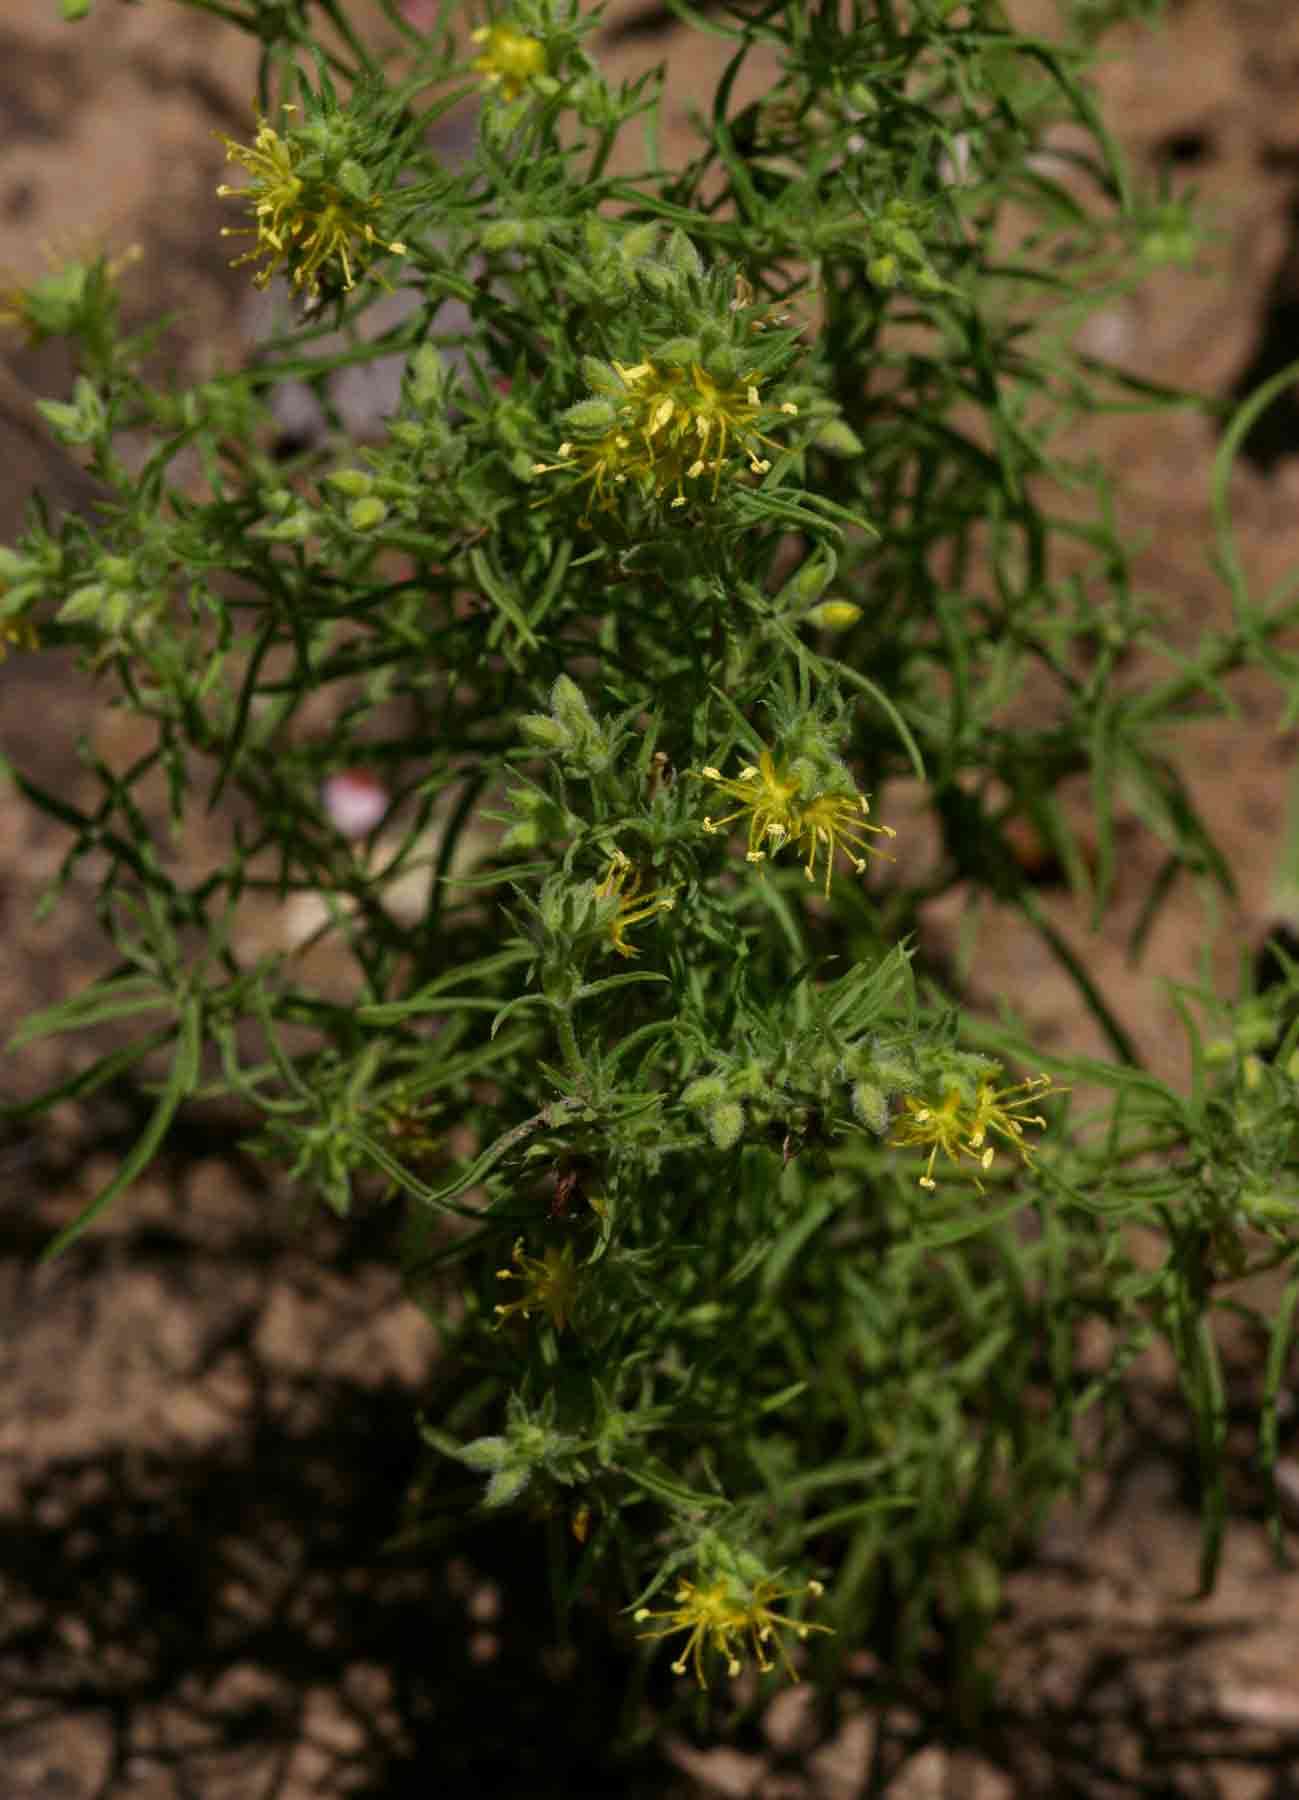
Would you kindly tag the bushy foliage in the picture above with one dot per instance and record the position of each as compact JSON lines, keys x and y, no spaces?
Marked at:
{"x":724,"y":502}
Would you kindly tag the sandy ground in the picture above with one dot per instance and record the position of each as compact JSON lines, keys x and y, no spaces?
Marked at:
{"x":205,"y":1410}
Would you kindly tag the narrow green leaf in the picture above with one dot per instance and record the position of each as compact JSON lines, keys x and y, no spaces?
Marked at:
{"x":180,"y":1083}
{"x":120,"y":999}
{"x":1280,"y":1338}
{"x":605,"y":986}
{"x":940,"y":1237}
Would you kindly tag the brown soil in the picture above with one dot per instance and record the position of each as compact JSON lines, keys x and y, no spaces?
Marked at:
{"x":205,"y":1431}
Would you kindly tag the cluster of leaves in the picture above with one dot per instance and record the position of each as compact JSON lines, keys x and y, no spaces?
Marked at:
{"x":718,"y":502}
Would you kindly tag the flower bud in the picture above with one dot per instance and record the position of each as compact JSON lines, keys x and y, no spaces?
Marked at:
{"x":871,"y":1107}
{"x":835,"y":615}
{"x":365,"y":514}
{"x":568,"y":704}
{"x":722,"y":365}
{"x":546,"y":732}
{"x":590,"y":418}
{"x":353,"y":179}
{"x":119,"y":570}
{"x":838,"y":439}
{"x":353,"y":482}
{"x":656,"y":279}
{"x":291,"y":530}
{"x":426,"y":377}
{"x":638,"y":242}
{"x":506,"y":1485}
{"x":600,"y":377}
{"x":725,"y":1123}
{"x":683,"y":256}
{"x":513,"y":234}
{"x":813,"y":579}
{"x":85,"y":603}
{"x":679,"y":352}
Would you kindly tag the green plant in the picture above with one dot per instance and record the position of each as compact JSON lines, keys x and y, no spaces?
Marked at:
{"x":743,"y":497}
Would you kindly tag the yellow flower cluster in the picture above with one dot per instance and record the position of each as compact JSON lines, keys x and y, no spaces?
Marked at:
{"x":550,"y":1285}
{"x":671,"y":426}
{"x":623,"y":883}
{"x":781,"y":813}
{"x":510,"y":58}
{"x":301,"y":225}
{"x":725,"y":1619}
{"x":959,"y":1129}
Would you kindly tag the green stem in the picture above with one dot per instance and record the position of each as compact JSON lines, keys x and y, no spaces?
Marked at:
{"x":568,"y":1041}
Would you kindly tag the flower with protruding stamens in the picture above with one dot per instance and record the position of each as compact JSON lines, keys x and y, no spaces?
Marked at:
{"x":945,"y":1127}
{"x":550,"y":1285}
{"x":834,"y":822}
{"x":1002,"y":1112}
{"x":622,"y":884}
{"x":782,"y":812}
{"x":732,"y":1621}
{"x":960,"y":1128}
{"x":665,"y":429}
{"x":603,"y":464}
{"x":770,"y":797}
{"x":307,"y":222}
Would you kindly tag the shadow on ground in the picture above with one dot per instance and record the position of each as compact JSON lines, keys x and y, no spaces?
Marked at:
{"x":207,"y":1600}
{"x":209,"y":1588}
{"x":227,"y":1624}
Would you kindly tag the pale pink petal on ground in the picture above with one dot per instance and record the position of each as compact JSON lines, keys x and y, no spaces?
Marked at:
{"x":355,"y":801}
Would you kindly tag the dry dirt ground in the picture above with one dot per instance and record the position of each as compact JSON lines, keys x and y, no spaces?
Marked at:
{"x":205,"y":1410}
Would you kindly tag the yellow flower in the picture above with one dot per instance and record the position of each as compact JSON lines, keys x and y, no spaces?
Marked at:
{"x":835,"y":615}
{"x":999,"y":1111}
{"x":510,"y":58}
{"x":770,"y":798}
{"x":622,"y":883}
{"x":19,"y":632}
{"x":834,"y":822}
{"x":303,"y":225}
{"x":604,"y":464}
{"x":550,"y":1283}
{"x":959,"y":1128}
{"x":779,"y":814}
{"x":672,"y":426}
{"x":946,"y":1128}
{"x":732,"y":1622}
{"x":688,"y":421}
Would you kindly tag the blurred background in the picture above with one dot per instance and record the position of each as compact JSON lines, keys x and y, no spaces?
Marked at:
{"x":206,"y":1434}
